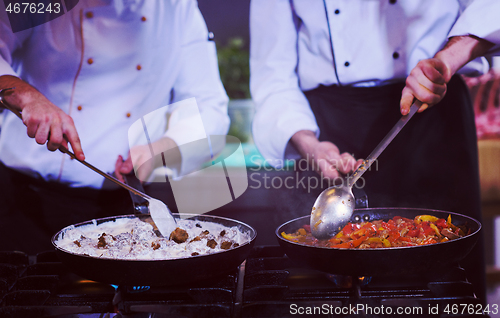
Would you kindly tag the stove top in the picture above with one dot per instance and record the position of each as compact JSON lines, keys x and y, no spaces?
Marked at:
{"x":267,"y":284}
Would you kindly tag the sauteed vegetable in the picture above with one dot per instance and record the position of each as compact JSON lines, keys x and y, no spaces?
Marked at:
{"x":396,"y":232}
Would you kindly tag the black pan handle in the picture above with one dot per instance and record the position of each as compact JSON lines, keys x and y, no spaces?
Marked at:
{"x":361,"y":198}
{"x":140,"y":204}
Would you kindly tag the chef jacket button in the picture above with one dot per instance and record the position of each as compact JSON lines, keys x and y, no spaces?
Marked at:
{"x":138,"y":67}
{"x":128,"y":115}
{"x":90,"y":61}
{"x":79,"y":107}
{"x":392,"y":1}
{"x":143,"y":19}
{"x":395,"y":55}
{"x":337,"y":11}
{"x":347,"y":63}
{"x":89,"y":14}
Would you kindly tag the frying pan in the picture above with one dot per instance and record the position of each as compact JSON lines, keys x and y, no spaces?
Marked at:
{"x":158,"y":272}
{"x":381,"y":261}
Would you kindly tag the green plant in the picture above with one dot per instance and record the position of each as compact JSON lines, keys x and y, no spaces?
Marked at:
{"x":234,"y":68}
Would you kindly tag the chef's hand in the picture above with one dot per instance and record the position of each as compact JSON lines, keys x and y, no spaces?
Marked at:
{"x":143,"y":162}
{"x":45,"y":122}
{"x":324,"y":156}
{"x":427,"y":81}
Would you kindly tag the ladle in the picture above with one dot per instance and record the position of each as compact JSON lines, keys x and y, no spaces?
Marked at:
{"x":334,"y":206}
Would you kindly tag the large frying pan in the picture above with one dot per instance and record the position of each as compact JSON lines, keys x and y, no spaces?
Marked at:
{"x":383,"y":261}
{"x":158,"y":272}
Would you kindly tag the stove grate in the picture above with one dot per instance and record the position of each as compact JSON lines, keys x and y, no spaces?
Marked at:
{"x":267,"y":284}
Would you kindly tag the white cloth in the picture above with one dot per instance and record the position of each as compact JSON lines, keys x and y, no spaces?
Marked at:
{"x":107,"y":64}
{"x":480,"y":19}
{"x":374,"y":43}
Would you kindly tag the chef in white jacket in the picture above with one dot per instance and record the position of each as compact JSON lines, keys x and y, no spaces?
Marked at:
{"x":327,"y":79}
{"x":85,"y":78}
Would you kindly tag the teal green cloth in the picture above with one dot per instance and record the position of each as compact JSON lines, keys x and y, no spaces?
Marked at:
{"x":253,"y":158}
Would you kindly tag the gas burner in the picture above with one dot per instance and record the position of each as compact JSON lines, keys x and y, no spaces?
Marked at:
{"x":267,"y":284}
{"x":304,"y":291}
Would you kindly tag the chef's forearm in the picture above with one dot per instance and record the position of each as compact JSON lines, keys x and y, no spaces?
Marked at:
{"x":462,"y":49}
{"x":305,"y":141}
{"x":23,"y":93}
{"x":172,"y":155}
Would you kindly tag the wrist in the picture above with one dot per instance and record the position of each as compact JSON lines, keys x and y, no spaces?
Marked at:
{"x":304,"y":141}
{"x":452,"y":63}
{"x":22,"y":95}
{"x":460,"y":50}
{"x":164,"y":144}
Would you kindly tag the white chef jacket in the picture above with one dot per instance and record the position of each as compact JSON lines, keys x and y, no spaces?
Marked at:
{"x":480,"y":19}
{"x":107,"y":64}
{"x":374,"y":43}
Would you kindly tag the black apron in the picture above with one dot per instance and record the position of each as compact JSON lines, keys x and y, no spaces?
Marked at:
{"x":432,"y":163}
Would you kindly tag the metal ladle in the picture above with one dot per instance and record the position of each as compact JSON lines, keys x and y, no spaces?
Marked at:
{"x":334,"y":206}
{"x":160,"y":213}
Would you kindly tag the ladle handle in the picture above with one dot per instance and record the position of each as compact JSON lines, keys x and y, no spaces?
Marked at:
{"x":63,"y":149}
{"x":383,"y":144}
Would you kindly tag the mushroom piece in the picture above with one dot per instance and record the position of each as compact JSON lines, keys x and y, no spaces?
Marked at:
{"x":179,"y":235}
{"x":449,"y":234}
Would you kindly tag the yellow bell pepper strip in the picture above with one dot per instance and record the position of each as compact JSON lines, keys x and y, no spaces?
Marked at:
{"x":374,"y":240}
{"x":379,"y":240}
{"x":451,"y":226}
{"x":288,"y":236}
{"x":361,"y":231}
{"x":420,"y":218}
{"x":435,"y":228}
{"x":386,"y":243}
{"x":426,"y":229}
{"x":445,"y":239}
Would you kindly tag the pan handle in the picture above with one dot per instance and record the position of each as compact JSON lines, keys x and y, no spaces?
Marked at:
{"x":361,"y":198}
{"x":140,"y":204}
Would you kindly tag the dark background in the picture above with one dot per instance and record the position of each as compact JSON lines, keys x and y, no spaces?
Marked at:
{"x":226,"y":19}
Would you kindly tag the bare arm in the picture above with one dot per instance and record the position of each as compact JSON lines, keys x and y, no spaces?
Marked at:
{"x":427,"y":81}
{"x":141,"y":161}
{"x":323,"y":155}
{"x":45,"y":122}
